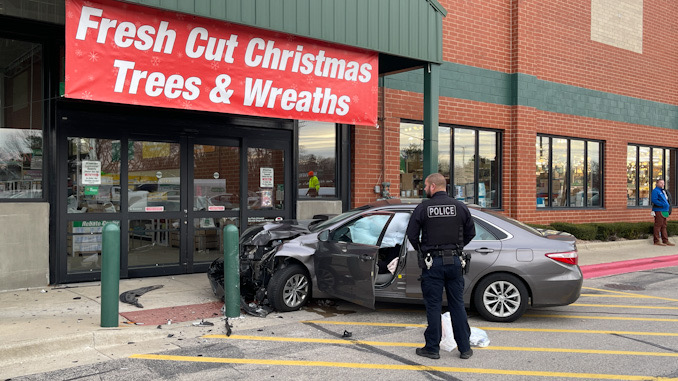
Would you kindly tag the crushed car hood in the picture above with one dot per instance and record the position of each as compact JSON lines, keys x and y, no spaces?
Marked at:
{"x":260,"y":235}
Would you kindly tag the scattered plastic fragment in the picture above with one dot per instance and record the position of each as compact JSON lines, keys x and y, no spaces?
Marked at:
{"x":228,"y":328}
{"x":203,"y":323}
{"x":347,"y":334}
{"x":131,"y":296}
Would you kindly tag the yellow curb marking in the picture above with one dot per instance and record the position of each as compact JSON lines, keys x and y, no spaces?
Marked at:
{"x":589,"y":376}
{"x":415,"y":345}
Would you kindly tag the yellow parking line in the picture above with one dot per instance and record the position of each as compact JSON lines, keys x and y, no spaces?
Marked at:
{"x":602,"y":332}
{"x":590,"y":376}
{"x":630,"y":294}
{"x":623,"y":306}
{"x":617,"y":296}
{"x":600,"y":317}
{"x":365,"y":323}
{"x":606,"y":332}
{"x":415,"y":345}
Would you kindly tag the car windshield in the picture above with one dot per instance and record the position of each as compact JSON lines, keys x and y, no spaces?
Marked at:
{"x":514,"y":222}
{"x":333,"y":220}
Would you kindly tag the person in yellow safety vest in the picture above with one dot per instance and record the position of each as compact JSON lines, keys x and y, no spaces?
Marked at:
{"x":313,"y":185}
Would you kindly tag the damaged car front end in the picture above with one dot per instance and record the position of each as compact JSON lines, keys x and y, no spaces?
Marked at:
{"x":263,"y":265}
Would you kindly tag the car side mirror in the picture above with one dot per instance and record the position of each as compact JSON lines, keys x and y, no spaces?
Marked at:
{"x":324,"y":236}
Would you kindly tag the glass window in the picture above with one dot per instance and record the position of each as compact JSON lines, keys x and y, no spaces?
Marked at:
{"x":444,"y":153}
{"x":365,"y":231}
{"x":488,"y":170}
{"x":644,"y":165}
{"x":543,"y":149}
{"x":153,"y":177}
{"x":459,"y":148}
{"x":270,"y":164}
{"x":93,"y":175}
{"x":21,"y":119}
{"x":84,"y":240}
{"x":317,"y":154}
{"x":464,"y":164}
{"x":411,"y":159}
{"x":594,"y":174}
{"x":577,"y":173}
{"x":644,"y":175}
{"x":153,"y":242}
{"x":569,"y":173}
{"x":631,"y":172}
{"x":216,"y":178}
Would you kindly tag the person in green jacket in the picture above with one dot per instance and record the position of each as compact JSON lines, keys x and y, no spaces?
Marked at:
{"x":313,"y":185}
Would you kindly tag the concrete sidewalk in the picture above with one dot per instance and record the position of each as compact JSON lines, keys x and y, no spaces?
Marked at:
{"x":59,"y":327}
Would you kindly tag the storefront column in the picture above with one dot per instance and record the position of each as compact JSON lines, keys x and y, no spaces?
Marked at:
{"x":431,"y":95}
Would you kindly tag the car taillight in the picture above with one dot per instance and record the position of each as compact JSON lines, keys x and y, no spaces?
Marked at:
{"x":567,"y":257}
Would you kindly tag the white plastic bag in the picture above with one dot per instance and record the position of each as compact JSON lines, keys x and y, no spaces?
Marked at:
{"x":447,"y":342}
{"x":479,"y":338}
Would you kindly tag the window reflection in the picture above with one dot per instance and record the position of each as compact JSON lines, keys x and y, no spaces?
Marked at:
{"x":21,"y":151}
{"x":559,"y":165}
{"x":594,"y":174}
{"x":543,"y":149}
{"x":488,"y":170}
{"x":411,"y":159}
{"x":265,"y":178}
{"x":657,"y":164}
{"x":644,"y":176}
{"x":444,"y":151}
{"x":577,"y":173}
{"x":650,"y":164}
{"x":631,"y":171}
{"x":153,"y":176}
{"x":93,"y":175}
{"x":571,"y":169}
{"x":464,"y":167}
{"x":317,"y":154}
{"x":458,"y":151}
{"x":216,"y":178}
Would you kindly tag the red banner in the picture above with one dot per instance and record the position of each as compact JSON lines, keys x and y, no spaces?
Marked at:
{"x":124,"y":53}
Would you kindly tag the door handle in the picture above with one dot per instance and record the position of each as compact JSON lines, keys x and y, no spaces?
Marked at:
{"x":484,"y":250}
{"x":365,"y":257}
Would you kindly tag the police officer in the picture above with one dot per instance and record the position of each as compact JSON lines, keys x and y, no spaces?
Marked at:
{"x":446,"y":227}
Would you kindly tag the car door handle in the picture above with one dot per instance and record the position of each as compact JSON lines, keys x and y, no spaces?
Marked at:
{"x":484,"y":250}
{"x":365,"y":257}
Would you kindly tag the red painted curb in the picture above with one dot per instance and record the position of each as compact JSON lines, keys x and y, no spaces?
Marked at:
{"x":622,"y":267}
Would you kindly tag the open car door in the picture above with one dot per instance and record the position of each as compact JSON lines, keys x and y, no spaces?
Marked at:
{"x":345,"y":261}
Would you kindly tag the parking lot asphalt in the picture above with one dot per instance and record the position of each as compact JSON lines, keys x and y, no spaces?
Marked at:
{"x":57,"y":327}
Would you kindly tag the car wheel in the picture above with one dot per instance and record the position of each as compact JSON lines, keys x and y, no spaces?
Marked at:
{"x":501,"y":298}
{"x":289,"y":288}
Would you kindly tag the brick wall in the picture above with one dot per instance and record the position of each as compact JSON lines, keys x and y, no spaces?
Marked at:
{"x":547,"y":75}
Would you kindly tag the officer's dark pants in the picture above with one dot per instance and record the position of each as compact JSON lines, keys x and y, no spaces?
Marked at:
{"x":432,"y":282}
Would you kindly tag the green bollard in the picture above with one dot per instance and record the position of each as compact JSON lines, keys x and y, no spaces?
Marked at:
{"x":231,"y":272}
{"x":110,"y":275}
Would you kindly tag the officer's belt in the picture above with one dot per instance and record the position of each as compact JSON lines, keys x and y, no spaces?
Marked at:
{"x":443,"y":253}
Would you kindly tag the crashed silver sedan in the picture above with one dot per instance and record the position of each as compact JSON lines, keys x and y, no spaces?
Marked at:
{"x":363,"y":255}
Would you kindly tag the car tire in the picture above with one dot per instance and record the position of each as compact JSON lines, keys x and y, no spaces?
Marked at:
{"x":501,"y":298}
{"x":289,"y":288}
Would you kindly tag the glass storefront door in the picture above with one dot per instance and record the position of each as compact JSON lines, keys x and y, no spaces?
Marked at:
{"x":170,"y":198}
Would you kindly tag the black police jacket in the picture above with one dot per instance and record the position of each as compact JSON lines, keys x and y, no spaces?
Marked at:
{"x":443,"y":222}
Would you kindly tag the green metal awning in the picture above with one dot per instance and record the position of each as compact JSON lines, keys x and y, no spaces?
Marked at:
{"x":406,"y":33}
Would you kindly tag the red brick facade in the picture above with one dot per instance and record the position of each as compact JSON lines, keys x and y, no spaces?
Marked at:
{"x":550,"y":40}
